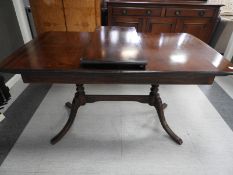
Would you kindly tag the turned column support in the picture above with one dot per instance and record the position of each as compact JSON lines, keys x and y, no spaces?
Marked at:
{"x":78,"y":100}
{"x":156,"y":101}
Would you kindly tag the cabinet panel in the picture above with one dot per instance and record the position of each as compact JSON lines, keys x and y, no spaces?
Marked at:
{"x":161,"y":25}
{"x":201,"y":28}
{"x":135,"y":11}
{"x":127,"y":21}
{"x":189,"y":12}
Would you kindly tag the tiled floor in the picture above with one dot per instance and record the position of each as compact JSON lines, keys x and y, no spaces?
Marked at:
{"x":125,"y":137}
{"x":226,"y":83}
{"x":220,"y":99}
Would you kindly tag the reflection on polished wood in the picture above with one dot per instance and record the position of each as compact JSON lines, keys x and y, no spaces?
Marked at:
{"x":177,"y":58}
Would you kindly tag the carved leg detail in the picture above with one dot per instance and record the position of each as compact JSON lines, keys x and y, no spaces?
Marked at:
{"x":156,"y":101}
{"x":78,"y":100}
{"x":68,"y":105}
{"x":164,"y":105}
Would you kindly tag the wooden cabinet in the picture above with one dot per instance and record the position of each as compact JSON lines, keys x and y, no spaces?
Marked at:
{"x":197,"y":18}
{"x":66,"y":15}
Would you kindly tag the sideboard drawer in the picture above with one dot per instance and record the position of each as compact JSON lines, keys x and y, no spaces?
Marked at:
{"x":189,"y":12}
{"x":135,"y":11}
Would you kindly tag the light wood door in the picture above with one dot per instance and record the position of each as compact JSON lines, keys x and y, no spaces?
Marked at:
{"x":82,"y":15}
{"x":66,"y":15}
{"x":48,"y":15}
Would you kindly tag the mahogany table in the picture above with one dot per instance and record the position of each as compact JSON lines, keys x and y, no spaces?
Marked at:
{"x":173,"y":58}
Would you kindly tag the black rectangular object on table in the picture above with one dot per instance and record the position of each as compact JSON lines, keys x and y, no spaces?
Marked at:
{"x":119,"y":49}
{"x":112,"y":64}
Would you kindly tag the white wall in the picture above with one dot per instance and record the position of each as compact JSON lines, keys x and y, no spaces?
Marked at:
{"x":26,"y":2}
{"x":229,"y":50}
{"x":22,"y":19}
{"x":25,"y":31}
{"x":228,"y":5}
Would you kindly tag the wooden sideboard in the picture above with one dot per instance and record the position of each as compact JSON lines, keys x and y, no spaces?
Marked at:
{"x":198,"y":18}
{"x":66,"y":15}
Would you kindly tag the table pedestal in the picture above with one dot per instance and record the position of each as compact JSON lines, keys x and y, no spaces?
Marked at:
{"x":80,"y":99}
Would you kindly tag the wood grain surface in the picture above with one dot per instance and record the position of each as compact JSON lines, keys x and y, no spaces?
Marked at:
{"x":172,"y":58}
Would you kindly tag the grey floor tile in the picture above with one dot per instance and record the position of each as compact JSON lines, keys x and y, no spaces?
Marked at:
{"x":220,"y":100}
{"x":125,"y":137}
{"x":18,"y":115}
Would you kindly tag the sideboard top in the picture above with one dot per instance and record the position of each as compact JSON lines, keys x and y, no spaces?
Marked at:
{"x":163,"y":2}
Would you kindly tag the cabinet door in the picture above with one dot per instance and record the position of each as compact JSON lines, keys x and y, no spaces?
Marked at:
{"x":82,"y":15}
{"x":127,"y":21}
{"x":200,"y":27}
{"x":161,"y":25}
{"x":48,"y":15}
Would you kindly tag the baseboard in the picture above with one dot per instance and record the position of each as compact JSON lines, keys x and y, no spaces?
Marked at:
{"x":2,"y":117}
{"x":16,"y":86}
{"x":13,"y":81}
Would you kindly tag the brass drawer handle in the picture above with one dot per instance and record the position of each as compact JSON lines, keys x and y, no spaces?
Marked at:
{"x":124,"y":12}
{"x":177,"y":13}
{"x":201,"y":13}
{"x":148,"y":12}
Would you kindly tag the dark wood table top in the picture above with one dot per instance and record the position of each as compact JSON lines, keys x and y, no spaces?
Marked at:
{"x":168,"y":54}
